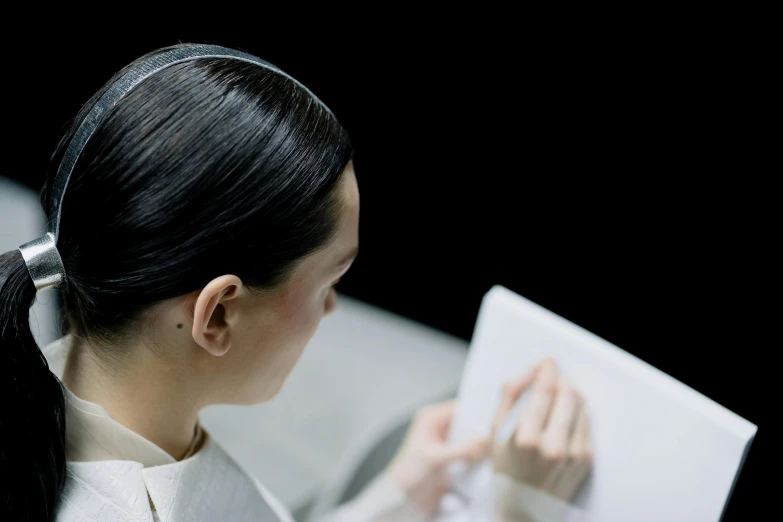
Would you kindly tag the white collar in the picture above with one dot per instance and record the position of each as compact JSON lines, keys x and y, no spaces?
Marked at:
{"x":92,"y":435}
{"x":116,"y":474}
{"x":208,"y":486}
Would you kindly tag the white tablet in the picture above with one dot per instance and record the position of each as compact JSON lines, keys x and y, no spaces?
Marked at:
{"x":663,"y":451}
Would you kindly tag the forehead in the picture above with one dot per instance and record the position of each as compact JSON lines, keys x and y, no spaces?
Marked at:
{"x":348,"y":189}
{"x":346,"y":234}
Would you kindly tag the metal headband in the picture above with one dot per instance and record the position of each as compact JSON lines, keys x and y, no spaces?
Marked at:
{"x":41,"y":255}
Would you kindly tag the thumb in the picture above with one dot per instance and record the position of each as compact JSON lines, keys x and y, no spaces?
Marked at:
{"x":472,"y":452}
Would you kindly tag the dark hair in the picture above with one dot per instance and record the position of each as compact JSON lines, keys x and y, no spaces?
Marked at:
{"x":211,"y":166}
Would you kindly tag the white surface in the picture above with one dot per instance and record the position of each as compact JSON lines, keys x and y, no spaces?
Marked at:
{"x":364,"y":370}
{"x":662,"y":450}
{"x":22,"y":220}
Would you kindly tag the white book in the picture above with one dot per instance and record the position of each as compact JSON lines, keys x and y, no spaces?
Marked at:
{"x":662,"y":451}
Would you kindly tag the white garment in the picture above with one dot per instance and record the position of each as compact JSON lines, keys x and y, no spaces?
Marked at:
{"x":505,"y":500}
{"x":115,"y":474}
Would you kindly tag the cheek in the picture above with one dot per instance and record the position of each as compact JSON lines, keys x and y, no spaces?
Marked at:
{"x":296,"y":328}
{"x":299,"y":317}
{"x":302,"y":313}
{"x":273,"y":347}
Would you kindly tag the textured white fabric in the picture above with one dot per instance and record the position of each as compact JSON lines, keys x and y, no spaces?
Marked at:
{"x":109,"y":491}
{"x":207,"y":486}
{"x":113,"y":484}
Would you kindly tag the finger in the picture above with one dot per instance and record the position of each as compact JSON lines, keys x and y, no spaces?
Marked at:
{"x":472,"y":452}
{"x":581,"y":442}
{"x":557,"y":434}
{"x":554,"y":471}
{"x":572,"y":479}
{"x":439,"y":409}
{"x":556,"y":437}
{"x":580,"y":451}
{"x":512,"y":389}
{"x":537,"y":410}
{"x":437,"y":416}
{"x":427,"y":498}
{"x":587,"y":436}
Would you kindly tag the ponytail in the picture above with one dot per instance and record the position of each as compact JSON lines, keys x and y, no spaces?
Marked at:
{"x":32,"y":406}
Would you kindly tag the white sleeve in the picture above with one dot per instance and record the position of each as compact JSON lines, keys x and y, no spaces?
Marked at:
{"x":380,"y":501}
{"x":508,"y":501}
{"x":496,"y":497}
{"x":517,"y":502}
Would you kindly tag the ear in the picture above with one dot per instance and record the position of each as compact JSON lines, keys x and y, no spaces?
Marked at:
{"x":214,"y":314}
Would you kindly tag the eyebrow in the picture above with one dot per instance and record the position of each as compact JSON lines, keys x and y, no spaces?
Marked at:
{"x":350,"y":257}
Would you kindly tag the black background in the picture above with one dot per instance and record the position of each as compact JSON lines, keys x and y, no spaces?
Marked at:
{"x":608,"y":177}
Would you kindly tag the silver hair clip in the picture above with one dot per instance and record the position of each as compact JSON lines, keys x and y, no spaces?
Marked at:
{"x":41,"y":255}
{"x":43,"y":262}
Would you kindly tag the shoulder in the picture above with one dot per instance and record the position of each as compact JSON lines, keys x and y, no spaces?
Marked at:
{"x":107,"y":490}
{"x":208,"y":485}
{"x":238,"y":486}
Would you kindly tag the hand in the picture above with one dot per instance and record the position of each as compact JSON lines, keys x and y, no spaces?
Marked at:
{"x":419,"y":468}
{"x":551,"y":447}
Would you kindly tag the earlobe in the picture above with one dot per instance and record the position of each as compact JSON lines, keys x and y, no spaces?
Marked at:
{"x":214,"y":314}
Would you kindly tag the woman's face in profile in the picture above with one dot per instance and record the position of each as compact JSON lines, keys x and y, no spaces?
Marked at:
{"x":281,"y":322}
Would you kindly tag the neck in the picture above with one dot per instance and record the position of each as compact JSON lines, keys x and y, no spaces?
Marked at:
{"x":144,"y":392}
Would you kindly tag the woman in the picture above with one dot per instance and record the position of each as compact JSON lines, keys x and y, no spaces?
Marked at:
{"x":201,"y":208}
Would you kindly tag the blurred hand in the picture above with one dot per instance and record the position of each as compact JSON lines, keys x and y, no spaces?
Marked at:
{"x":419,"y":468}
{"x":551,"y":447}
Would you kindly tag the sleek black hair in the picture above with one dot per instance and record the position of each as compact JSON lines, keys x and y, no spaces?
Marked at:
{"x":211,"y":166}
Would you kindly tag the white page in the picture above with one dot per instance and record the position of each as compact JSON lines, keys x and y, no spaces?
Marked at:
{"x":663,"y":452}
